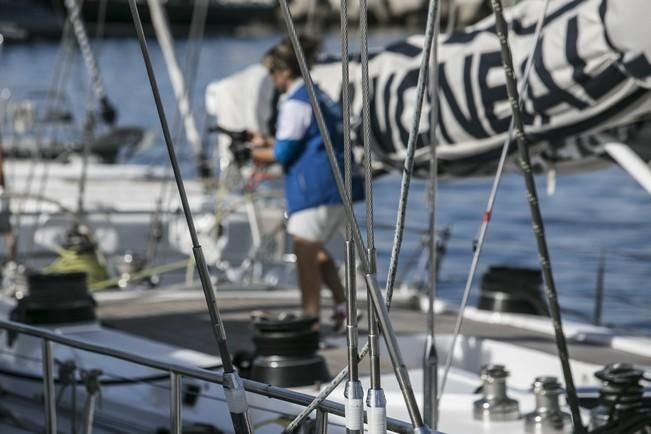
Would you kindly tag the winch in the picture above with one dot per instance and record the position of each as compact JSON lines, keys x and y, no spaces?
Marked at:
{"x":495,"y":405}
{"x":621,"y":399}
{"x":286,"y":348}
{"x":547,"y":418}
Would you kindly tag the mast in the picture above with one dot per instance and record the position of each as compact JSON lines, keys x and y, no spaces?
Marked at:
{"x":164,"y":37}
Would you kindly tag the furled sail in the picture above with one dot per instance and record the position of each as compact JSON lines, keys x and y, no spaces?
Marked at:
{"x":591,"y":80}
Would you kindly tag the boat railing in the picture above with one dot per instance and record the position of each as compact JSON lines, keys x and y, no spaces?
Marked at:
{"x":176,"y":372}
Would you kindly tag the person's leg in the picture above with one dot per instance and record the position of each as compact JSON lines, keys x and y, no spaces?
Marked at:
{"x":309,"y":274}
{"x":11,"y":243}
{"x":330,"y":276}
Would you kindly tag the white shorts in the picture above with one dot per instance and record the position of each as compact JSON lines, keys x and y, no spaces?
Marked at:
{"x":316,"y":224}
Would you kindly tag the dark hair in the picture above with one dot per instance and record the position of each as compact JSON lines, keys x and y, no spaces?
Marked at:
{"x":282,"y":56}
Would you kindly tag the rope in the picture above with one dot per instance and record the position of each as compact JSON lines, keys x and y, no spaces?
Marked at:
{"x":70,"y":260}
{"x":536,"y":217}
{"x":479,"y":245}
{"x":147,"y":272}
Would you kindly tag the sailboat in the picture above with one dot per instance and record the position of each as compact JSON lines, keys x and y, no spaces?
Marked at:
{"x":511,"y":355}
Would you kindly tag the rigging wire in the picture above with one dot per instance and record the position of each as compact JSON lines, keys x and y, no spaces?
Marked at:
{"x":371,"y":280}
{"x":233,"y":384}
{"x":353,"y":393}
{"x":536,"y":217}
{"x":407,"y":170}
{"x":430,"y":356}
{"x":478,"y":246}
{"x":54,"y":97}
{"x":376,"y":399}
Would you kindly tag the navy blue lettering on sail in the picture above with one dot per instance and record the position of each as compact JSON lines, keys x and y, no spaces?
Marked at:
{"x":595,"y":87}
{"x":516,"y":26}
{"x":555,"y":95}
{"x":580,"y":127}
{"x":470,"y":124}
{"x":442,"y":78}
{"x":381,"y":110}
{"x":639,"y":67}
{"x":491,"y":95}
{"x":410,"y":80}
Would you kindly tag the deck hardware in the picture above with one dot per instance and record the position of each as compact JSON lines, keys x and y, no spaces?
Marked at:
{"x":495,"y":406}
{"x":48,"y":387}
{"x":91,"y":381}
{"x":621,"y":395}
{"x":547,"y":418}
{"x":176,"y":420}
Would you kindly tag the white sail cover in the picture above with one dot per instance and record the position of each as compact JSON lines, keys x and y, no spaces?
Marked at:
{"x":591,"y":79}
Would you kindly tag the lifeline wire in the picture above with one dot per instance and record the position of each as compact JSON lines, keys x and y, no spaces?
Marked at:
{"x":371,"y":281}
{"x":233,"y":388}
{"x":536,"y":217}
{"x":491,"y":203}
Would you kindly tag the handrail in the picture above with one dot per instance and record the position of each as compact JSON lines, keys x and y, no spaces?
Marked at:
{"x":267,"y":390}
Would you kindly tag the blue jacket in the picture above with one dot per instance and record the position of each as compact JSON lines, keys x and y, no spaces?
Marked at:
{"x":309,"y":181}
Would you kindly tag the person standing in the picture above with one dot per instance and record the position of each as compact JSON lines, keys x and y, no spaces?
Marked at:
{"x":314,"y":205}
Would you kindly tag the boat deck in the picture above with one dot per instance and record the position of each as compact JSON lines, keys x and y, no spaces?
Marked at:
{"x":181,"y":319}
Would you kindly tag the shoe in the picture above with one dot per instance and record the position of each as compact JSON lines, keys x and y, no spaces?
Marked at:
{"x":339,"y":317}
{"x":339,"y":321}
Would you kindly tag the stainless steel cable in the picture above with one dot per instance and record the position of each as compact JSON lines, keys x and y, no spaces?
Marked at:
{"x":370,"y":279}
{"x":536,"y":217}
{"x":479,"y":244}
{"x":366,"y":132}
{"x":233,"y":385}
{"x":375,"y":399}
{"x":354,"y":393}
{"x":411,"y":148}
{"x":430,"y":355}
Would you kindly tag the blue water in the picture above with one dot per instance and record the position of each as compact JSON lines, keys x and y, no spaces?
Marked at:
{"x":603,"y":211}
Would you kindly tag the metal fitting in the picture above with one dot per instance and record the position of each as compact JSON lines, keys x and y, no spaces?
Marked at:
{"x":495,"y":406}
{"x":235,"y":393}
{"x":376,"y":411}
{"x":354,"y":394}
{"x":547,"y":418}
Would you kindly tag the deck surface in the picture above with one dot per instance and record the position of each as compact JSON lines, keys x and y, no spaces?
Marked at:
{"x":184,"y":322}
